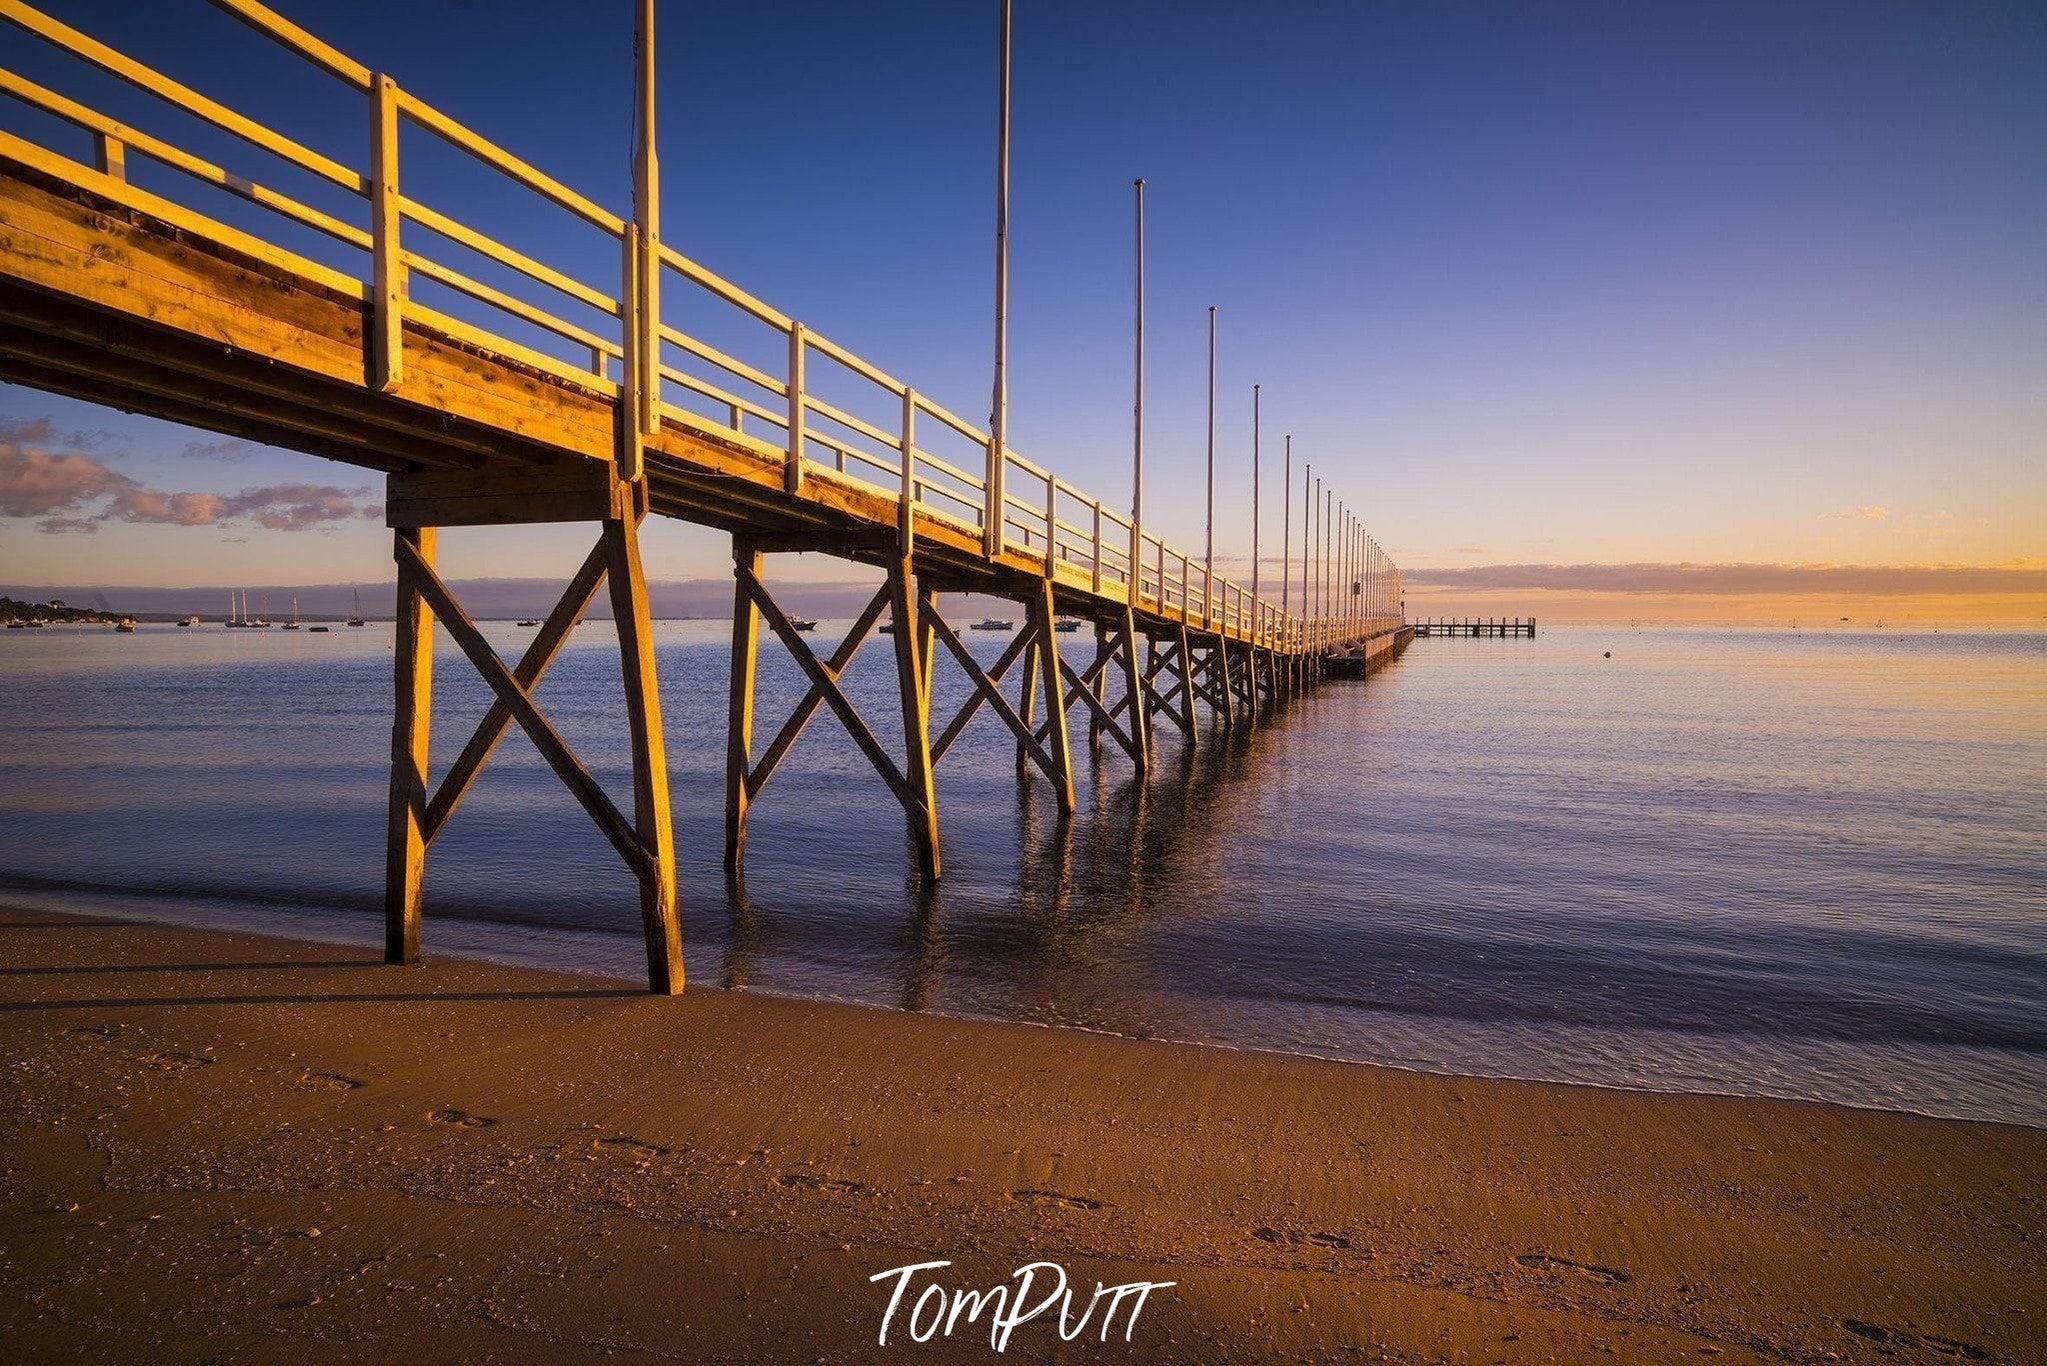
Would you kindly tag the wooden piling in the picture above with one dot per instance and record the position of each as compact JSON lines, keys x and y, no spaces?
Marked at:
{"x":411,"y":729}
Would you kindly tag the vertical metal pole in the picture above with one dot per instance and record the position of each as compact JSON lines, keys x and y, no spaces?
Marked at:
{"x":1137,"y":432}
{"x":1307,"y":479}
{"x":1328,"y":549}
{"x":647,"y":213}
{"x":1317,"y":613}
{"x":1208,"y":562}
{"x":997,"y":506}
{"x":1286,"y":531}
{"x":1254,"y":499}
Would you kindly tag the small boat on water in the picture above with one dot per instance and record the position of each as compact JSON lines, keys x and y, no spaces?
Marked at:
{"x":1066,"y":625}
{"x":993,"y":624}
{"x":530,"y":623}
{"x":804,"y":623}
{"x":293,"y":624}
{"x":17,"y":626}
{"x":192,"y":620}
{"x":357,"y":620}
{"x":35,"y":623}
{"x":317,"y":630}
{"x":126,"y":626}
{"x":888,"y":628}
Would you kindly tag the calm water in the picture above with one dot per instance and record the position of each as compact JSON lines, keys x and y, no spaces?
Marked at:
{"x":1791,"y":865}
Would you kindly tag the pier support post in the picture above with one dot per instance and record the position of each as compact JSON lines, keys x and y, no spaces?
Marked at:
{"x":745,"y":777}
{"x":913,"y":686}
{"x":651,"y":815}
{"x":411,"y":727}
{"x":414,"y":505}
{"x":1058,"y":743}
{"x":1027,"y":696}
{"x":1094,"y":718}
{"x":1135,"y":686}
{"x":746,"y":630}
{"x":1222,"y":683}
{"x":1185,"y":661}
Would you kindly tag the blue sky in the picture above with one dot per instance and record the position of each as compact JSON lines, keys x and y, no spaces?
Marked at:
{"x":1568,"y":283}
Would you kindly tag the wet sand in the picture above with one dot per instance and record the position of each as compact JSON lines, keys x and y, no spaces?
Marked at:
{"x":235,"y":1148}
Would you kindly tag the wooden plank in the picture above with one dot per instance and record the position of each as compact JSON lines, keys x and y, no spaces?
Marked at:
{"x":412,"y":670}
{"x":269,"y":22}
{"x":660,"y":919}
{"x":205,"y":416}
{"x":122,"y":269}
{"x":540,"y":653}
{"x":567,"y":491}
{"x":183,"y":96}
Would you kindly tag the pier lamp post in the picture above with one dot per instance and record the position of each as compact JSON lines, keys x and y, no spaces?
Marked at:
{"x":1137,"y":430}
{"x":994,"y":504}
{"x":1208,"y":559}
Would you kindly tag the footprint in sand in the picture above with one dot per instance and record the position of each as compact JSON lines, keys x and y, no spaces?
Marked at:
{"x":1296,"y":1239}
{"x":171,"y":1061}
{"x":810,"y":1181}
{"x":628,"y":1147}
{"x":1932,"y":1342}
{"x":461,"y":1119}
{"x":1054,"y":1200}
{"x":1543,"y":1261}
{"x":328,"y":1081}
{"x":105,"y":1031}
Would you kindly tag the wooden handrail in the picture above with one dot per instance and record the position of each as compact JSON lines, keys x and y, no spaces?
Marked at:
{"x":1109,"y":545}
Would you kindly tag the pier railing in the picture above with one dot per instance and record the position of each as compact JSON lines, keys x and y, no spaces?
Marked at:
{"x":815,"y":407}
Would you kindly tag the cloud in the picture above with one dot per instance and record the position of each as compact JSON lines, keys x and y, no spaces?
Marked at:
{"x":1470,"y":550}
{"x":227,"y":448}
{"x":75,"y":494}
{"x":1865,"y":512}
{"x":291,"y":507}
{"x":179,"y":509}
{"x":1740,"y":578}
{"x":35,"y":480}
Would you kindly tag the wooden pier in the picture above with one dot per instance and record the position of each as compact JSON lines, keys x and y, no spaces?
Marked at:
{"x":502,"y":390}
{"x":1477,"y":627}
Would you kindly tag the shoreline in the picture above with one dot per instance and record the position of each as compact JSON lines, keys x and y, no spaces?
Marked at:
{"x":509,"y":1163}
{"x":498,"y":943}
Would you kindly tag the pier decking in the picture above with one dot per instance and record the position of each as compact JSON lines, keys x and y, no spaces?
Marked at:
{"x":482,"y":406}
{"x":1477,"y":627}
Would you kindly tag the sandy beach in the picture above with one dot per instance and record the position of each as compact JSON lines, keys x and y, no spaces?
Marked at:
{"x":233,"y":1148}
